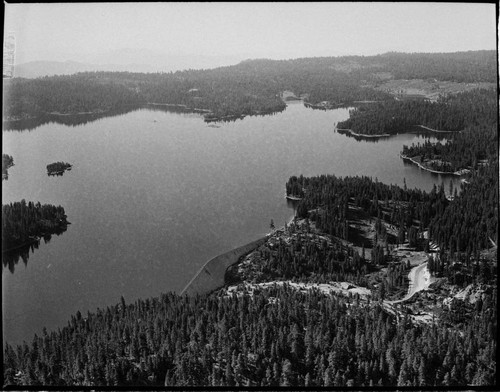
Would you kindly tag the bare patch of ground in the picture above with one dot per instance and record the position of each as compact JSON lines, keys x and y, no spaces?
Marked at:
{"x":289,"y":96}
{"x":429,"y":88}
{"x":343,"y":288}
{"x":405,"y":253}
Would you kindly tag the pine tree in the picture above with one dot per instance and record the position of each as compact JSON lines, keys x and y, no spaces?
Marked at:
{"x":308,"y":382}
{"x":287,"y":375}
{"x":422,"y":373}
{"x":329,"y":377}
{"x":403,"y":378}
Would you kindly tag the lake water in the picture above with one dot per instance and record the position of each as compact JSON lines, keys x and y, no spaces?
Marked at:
{"x":154,"y":194}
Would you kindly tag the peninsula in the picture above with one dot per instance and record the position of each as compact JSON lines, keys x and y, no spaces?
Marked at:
{"x":425,"y":165}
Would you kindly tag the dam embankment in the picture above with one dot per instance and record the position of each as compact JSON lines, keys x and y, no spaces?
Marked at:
{"x":211,"y":276}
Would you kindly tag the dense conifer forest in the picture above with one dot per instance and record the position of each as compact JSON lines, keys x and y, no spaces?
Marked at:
{"x":464,"y":225}
{"x":329,"y":197}
{"x":470,"y":149}
{"x":453,"y":113}
{"x":277,"y":337}
{"x":82,"y":93}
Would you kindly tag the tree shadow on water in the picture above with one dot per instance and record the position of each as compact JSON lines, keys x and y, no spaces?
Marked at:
{"x":11,"y":258}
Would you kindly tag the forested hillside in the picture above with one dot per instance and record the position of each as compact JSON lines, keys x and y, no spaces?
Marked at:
{"x":477,"y":143}
{"x":277,"y":337}
{"x":466,"y":67}
{"x":468,"y":223}
{"x":251,"y":87}
{"x":463,"y":225}
{"x":453,"y":113}
{"x":82,"y":93}
{"x":332,"y":195}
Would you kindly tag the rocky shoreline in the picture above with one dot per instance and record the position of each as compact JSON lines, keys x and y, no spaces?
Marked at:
{"x":456,"y":173}
{"x":359,"y":135}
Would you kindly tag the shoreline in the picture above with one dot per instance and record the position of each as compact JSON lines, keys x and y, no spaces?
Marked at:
{"x":207,"y":113}
{"x":292,"y":197}
{"x":211,"y":275}
{"x":344,"y":131}
{"x":404,"y":157}
{"x":434,"y":130}
{"x":58,"y":114}
{"x":329,"y":106}
{"x":209,"y":119}
{"x":180,"y":105}
{"x":74,"y":114}
{"x":37,"y":238}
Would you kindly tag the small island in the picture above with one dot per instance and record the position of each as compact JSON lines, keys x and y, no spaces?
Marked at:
{"x":7,"y":162}
{"x":58,"y":168}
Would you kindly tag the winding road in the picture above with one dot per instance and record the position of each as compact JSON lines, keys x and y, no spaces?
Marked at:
{"x":419,"y":280}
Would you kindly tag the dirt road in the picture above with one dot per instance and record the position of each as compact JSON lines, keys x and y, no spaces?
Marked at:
{"x":420,"y":279}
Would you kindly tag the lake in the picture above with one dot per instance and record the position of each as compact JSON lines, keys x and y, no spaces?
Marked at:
{"x":153,"y":194}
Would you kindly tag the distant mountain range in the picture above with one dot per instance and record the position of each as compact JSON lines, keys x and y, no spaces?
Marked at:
{"x":35,"y":69}
{"x":131,"y":60}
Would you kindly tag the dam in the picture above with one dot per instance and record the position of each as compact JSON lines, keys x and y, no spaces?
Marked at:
{"x":211,"y":275}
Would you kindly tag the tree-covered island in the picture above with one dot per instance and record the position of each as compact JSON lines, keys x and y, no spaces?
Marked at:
{"x":58,"y":168}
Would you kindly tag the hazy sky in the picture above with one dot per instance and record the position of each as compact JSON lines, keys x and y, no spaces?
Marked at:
{"x":275,"y":30}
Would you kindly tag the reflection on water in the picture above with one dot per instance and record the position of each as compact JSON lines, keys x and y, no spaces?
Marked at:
{"x":11,"y":257}
{"x":68,"y":120}
{"x":370,"y":139}
{"x":86,"y":118}
{"x":419,"y":132}
{"x":56,"y":174}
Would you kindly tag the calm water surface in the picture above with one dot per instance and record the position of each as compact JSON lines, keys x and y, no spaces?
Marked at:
{"x":153,"y":195}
